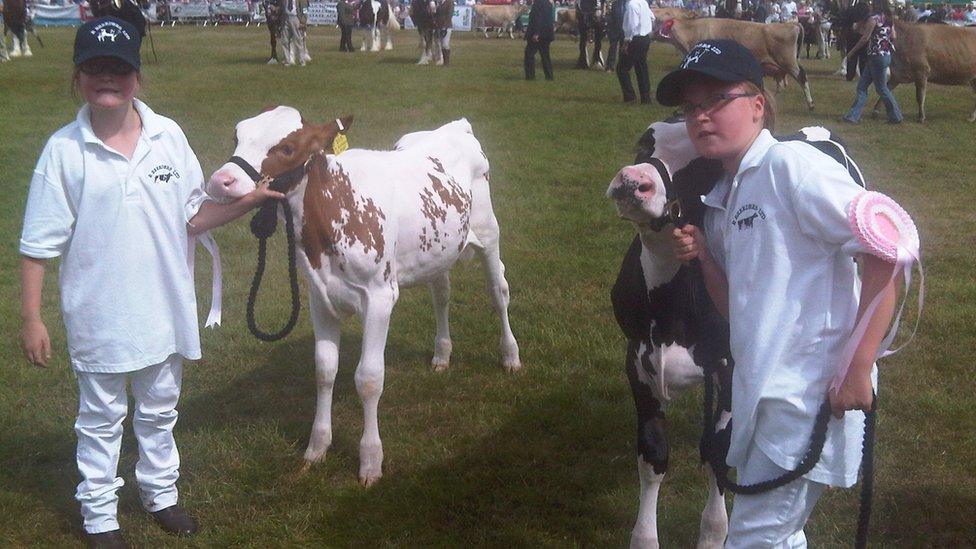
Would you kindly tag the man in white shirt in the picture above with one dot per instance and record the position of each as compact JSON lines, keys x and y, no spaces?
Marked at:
{"x":638,"y":24}
{"x":788,"y":12}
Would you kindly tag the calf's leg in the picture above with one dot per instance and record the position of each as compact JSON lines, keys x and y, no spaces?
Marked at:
{"x":714,"y":519}
{"x":440,"y":292}
{"x":326,"y":329}
{"x":369,"y":382}
{"x":652,"y":444}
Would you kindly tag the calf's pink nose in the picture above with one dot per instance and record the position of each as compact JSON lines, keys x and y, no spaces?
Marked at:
{"x":223,"y":178}
{"x":638,"y":177}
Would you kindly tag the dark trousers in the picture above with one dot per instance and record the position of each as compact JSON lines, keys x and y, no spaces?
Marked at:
{"x":345,"y":41}
{"x":635,"y":56}
{"x":542,"y":46}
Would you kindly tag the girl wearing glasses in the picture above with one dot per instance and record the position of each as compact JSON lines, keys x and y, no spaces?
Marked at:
{"x":778,"y":264}
{"x":118,"y":195}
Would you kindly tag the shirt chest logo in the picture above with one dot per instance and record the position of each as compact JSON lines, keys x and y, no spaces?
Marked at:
{"x":745,"y":217}
{"x":163,"y":174}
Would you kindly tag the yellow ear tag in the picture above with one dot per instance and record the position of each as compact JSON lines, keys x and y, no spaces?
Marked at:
{"x":340,"y":144}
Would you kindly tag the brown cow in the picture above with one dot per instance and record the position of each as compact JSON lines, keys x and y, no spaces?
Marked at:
{"x":774,"y":44}
{"x":500,"y":17}
{"x":941,"y":54}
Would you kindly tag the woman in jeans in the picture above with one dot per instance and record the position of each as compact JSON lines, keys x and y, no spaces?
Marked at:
{"x":878,"y":33}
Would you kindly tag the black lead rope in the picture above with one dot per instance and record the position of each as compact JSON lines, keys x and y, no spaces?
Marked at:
{"x":263,"y":226}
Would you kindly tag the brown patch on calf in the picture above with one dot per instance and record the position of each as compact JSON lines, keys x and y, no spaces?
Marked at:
{"x":337,"y":217}
{"x":435,"y":201}
{"x":297,"y":147}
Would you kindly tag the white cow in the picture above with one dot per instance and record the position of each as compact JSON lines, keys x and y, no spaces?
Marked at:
{"x":373,"y":222}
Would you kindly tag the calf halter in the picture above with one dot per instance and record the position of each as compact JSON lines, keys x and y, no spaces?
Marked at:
{"x":263,"y":225}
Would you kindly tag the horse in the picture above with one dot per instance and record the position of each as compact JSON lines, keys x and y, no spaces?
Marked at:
{"x":126,"y":10}
{"x":433,"y":21}
{"x":590,"y":17}
{"x":15,"y":21}
{"x":375,"y":16}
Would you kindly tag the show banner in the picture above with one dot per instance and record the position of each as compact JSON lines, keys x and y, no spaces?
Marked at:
{"x":47,"y":16}
{"x":322,"y":13}
{"x":460,"y":21}
{"x":194,"y":9}
{"x":230,"y":7}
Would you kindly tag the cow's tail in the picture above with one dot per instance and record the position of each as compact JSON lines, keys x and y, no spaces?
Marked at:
{"x":799,"y":40}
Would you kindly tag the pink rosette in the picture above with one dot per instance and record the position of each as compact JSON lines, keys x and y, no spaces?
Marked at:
{"x":887,"y":231}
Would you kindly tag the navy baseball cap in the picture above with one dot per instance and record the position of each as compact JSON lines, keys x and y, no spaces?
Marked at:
{"x":725,"y":60}
{"x":108,"y":37}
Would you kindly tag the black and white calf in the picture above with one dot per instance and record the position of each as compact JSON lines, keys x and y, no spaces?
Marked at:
{"x":675,"y":336}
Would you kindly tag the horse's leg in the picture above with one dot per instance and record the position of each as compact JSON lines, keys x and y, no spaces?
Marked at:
{"x":326,"y":329}
{"x":369,"y":381}
{"x":15,"y":50}
{"x":440,"y":292}
{"x":274,"y":44}
{"x":652,"y":444}
{"x":584,"y":37}
{"x":424,"y":48}
{"x":389,"y":36}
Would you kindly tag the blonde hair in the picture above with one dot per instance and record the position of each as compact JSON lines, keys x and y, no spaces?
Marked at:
{"x":769,"y":107}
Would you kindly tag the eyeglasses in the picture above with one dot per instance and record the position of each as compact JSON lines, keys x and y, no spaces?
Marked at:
{"x":711,"y":102}
{"x":98,"y":67}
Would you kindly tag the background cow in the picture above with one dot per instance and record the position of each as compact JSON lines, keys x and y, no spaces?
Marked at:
{"x":675,"y":336}
{"x":773,"y":44}
{"x":373,"y":222}
{"x":942,"y":54}
{"x":499,"y":17}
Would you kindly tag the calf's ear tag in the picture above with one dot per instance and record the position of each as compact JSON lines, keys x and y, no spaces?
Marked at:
{"x":340,"y":144}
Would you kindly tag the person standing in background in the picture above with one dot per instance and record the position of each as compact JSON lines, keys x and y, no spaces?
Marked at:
{"x":538,"y":35}
{"x":638,"y":24}
{"x":292,"y":34}
{"x":347,"y":19}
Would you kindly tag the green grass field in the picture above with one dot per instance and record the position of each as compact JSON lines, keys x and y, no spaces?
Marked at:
{"x":474,"y":456}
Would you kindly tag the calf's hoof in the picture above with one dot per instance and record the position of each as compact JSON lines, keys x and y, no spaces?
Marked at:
{"x":370,"y":464}
{"x":512,"y":365}
{"x":439,"y":365}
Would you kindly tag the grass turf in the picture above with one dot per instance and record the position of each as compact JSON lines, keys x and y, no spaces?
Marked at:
{"x":544,"y":457}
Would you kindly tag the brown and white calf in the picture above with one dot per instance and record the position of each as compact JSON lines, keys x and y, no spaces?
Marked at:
{"x":373,"y":222}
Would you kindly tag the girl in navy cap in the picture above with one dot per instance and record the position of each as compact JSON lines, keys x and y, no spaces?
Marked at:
{"x":777,"y":263}
{"x":118,"y":195}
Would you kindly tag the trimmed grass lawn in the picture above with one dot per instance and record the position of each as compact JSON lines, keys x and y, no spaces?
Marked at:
{"x":474,"y":456}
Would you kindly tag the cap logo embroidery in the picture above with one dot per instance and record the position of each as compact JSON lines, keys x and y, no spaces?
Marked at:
{"x":696,"y":53}
{"x":109,"y":31}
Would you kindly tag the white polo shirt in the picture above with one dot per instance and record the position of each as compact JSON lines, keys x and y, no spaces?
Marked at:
{"x":783,"y":238}
{"x":638,"y":19}
{"x":119,"y":226}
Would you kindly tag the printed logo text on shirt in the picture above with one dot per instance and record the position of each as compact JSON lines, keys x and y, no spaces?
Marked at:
{"x":746,"y":216}
{"x":163,"y":174}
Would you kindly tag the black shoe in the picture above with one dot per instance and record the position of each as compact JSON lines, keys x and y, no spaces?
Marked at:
{"x":646,"y":101}
{"x":174,"y":520}
{"x":107,"y":540}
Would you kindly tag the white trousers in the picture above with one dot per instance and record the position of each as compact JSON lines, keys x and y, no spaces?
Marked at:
{"x":776,"y":518}
{"x":103,"y":404}
{"x":293,"y":41}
